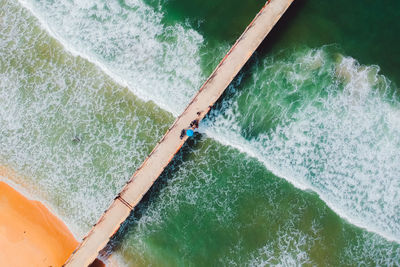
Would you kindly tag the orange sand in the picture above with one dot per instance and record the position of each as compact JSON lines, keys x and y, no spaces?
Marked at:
{"x":29,"y":234}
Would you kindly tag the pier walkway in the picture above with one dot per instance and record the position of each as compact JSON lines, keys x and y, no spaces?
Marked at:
{"x":169,"y":145}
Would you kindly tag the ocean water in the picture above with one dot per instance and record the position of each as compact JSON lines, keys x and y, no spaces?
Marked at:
{"x":298,"y":164}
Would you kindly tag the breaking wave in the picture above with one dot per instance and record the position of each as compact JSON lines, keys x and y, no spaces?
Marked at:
{"x":325,"y":123}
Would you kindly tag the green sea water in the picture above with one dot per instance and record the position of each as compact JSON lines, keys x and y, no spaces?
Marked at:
{"x":298,"y":164}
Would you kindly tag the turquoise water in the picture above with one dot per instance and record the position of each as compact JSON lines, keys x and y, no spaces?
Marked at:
{"x":297,"y":165}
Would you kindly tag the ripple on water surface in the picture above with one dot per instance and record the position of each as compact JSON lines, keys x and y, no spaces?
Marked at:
{"x":74,"y":134}
{"x":325,"y":123}
{"x":313,"y":117}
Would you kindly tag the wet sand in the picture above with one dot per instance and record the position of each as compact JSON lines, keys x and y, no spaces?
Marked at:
{"x":30,"y":235}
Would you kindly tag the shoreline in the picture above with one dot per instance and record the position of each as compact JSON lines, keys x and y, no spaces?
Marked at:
{"x":10,"y":177}
{"x":11,"y":194}
{"x":31,"y":235}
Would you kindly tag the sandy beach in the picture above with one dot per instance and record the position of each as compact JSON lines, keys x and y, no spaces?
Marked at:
{"x":30,"y":235}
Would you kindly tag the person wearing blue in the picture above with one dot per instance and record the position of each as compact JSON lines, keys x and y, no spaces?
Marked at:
{"x":189,"y":132}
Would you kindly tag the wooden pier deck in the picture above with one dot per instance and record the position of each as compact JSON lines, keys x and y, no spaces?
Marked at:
{"x":169,"y":145}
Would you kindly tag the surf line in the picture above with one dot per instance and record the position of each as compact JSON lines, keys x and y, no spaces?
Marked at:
{"x":173,"y":140}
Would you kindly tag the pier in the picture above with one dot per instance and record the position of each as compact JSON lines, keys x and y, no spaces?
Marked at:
{"x":171,"y":142}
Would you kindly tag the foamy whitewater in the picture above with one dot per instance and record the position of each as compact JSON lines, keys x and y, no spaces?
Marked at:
{"x":58,"y":122}
{"x":313,"y":117}
{"x":158,"y":63}
{"x":338,"y":133}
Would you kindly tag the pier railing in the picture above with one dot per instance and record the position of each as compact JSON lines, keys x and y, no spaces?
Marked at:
{"x":172,"y":141}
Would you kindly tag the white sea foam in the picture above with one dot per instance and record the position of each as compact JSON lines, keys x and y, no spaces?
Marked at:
{"x":129,"y":43}
{"x":370,"y":250}
{"x":47,"y":99}
{"x":343,"y":144}
{"x":290,"y":249}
